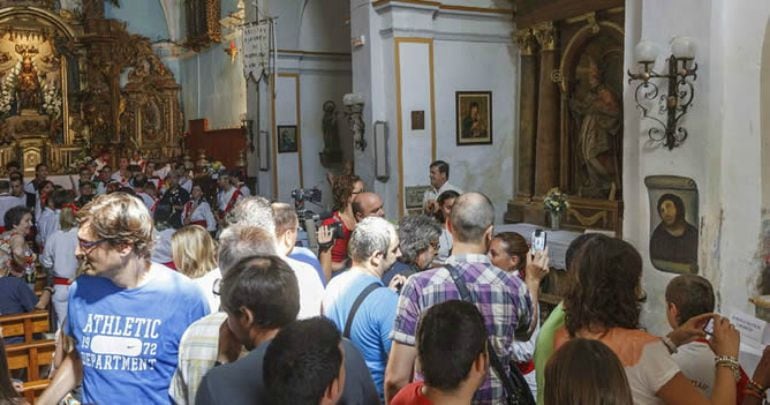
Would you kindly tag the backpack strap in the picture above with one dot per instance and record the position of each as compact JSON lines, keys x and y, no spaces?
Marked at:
{"x":512,"y":394}
{"x":356,"y":304}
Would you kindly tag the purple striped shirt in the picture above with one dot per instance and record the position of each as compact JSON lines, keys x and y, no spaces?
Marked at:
{"x":501,"y":297}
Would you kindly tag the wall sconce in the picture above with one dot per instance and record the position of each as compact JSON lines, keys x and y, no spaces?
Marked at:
{"x":354,"y":108}
{"x":679,"y":90}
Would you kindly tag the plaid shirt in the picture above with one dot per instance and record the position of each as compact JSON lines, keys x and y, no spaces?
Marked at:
{"x":502,"y":298}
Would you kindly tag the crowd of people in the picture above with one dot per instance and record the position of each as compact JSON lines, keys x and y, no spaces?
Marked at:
{"x":182,"y":297}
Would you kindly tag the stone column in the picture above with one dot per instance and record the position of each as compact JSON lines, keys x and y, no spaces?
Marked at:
{"x":547,"y":157}
{"x":525,"y":38}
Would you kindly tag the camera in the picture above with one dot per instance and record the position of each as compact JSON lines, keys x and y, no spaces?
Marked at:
{"x":301,"y":195}
{"x":336,"y":228}
{"x":539,"y":240}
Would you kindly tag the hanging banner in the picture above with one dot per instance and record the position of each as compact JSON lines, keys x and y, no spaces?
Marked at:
{"x":256,"y":50}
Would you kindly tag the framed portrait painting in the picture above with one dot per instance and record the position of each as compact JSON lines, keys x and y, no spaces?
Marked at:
{"x":674,"y":223}
{"x":473,"y":117}
{"x":287,"y":139}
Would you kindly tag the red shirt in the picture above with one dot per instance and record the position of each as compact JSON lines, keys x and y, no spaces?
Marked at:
{"x":340,"y":247}
{"x":411,"y":395}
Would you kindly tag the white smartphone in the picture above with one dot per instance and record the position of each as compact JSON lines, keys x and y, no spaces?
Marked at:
{"x":539,"y":240}
{"x":709,"y":328}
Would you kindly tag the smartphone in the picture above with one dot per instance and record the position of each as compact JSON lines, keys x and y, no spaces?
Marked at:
{"x":709,"y":327}
{"x":539,"y":240}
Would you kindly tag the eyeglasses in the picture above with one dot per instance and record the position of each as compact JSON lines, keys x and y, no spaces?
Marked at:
{"x":88,"y":245}
{"x":215,"y":286}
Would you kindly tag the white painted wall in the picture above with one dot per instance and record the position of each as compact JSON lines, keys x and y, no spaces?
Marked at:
{"x":465,"y":66}
{"x":471,"y":51}
{"x":723,"y":152}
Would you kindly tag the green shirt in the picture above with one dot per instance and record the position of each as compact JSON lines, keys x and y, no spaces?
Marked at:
{"x":544,"y":347}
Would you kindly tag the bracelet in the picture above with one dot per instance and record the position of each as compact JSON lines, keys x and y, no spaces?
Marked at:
{"x":756,"y":386}
{"x":731,"y":363}
{"x":669,"y":344}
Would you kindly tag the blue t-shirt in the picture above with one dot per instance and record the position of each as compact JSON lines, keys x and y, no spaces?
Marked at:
{"x":306,"y":255}
{"x":15,"y":298}
{"x":373,"y":322}
{"x":128,"y":339}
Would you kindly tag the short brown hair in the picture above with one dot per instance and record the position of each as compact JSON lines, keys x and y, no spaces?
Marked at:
{"x":585,"y":371}
{"x":515,"y":245}
{"x":120,"y":218}
{"x":693,"y":295}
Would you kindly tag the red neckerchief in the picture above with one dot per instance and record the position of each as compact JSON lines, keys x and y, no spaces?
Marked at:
{"x":187,"y":210}
{"x":233,"y":199}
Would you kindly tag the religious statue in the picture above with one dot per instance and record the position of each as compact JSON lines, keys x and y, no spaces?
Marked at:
{"x":600,"y":123}
{"x":331,"y":153}
{"x":28,"y":87}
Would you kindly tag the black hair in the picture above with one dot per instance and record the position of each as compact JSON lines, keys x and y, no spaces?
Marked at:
{"x":575,"y":246}
{"x":39,"y":165}
{"x":14,"y":215}
{"x":8,"y":394}
{"x":61,"y":197}
{"x":302,"y":361}
{"x":11,"y":164}
{"x":266,"y":286}
{"x":450,"y":337}
{"x":443,"y":167}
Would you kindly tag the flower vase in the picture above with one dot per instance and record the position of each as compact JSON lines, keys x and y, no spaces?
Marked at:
{"x":555,"y":221}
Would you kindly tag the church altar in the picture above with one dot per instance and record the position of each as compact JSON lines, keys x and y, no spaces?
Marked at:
{"x":74,"y":84}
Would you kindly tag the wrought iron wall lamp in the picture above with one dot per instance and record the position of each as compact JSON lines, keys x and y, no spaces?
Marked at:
{"x":678,"y":82}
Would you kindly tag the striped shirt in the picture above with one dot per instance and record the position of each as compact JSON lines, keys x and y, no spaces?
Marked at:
{"x":198,"y":351}
{"x":503,"y":300}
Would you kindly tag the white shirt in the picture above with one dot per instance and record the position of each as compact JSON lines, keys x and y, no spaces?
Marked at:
{"x":120,"y":179}
{"x":29,"y":187}
{"x":224,"y":197}
{"x":696,"y":360}
{"x":7,"y":202}
{"x":245,"y":191}
{"x":444,"y":245}
{"x":186,"y":184}
{"x":311,"y":291}
{"x":202,"y":212}
{"x":206,"y":285}
{"x":148,"y":201}
{"x":162,"y":251}
{"x":47,"y":224}
{"x":59,"y":253}
{"x":432,"y":193}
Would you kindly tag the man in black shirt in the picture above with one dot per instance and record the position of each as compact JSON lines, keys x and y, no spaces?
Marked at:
{"x":260,"y":295}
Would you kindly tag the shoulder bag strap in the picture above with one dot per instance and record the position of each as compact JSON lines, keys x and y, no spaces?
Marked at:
{"x":494,"y":361}
{"x":359,"y":300}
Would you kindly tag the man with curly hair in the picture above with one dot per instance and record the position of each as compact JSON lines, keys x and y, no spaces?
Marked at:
{"x":125,"y":316}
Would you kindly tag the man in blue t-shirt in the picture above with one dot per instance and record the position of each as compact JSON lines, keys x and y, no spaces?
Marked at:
{"x":125,"y":316}
{"x":373,"y":247}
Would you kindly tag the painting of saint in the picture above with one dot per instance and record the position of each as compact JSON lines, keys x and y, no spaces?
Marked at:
{"x":674,"y":237}
{"x":474,"y":117}
{"x":287,"y":139}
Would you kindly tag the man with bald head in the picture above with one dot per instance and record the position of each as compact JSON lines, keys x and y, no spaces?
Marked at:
{"x":507,"y":308}
{"x":367,"y":204}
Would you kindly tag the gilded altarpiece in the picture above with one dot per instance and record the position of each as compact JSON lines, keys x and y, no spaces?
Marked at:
{"x":61,"y":93}
{"x":571,"y":111}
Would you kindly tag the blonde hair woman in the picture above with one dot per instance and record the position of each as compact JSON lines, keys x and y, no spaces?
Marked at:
{"x":194,"y":253}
